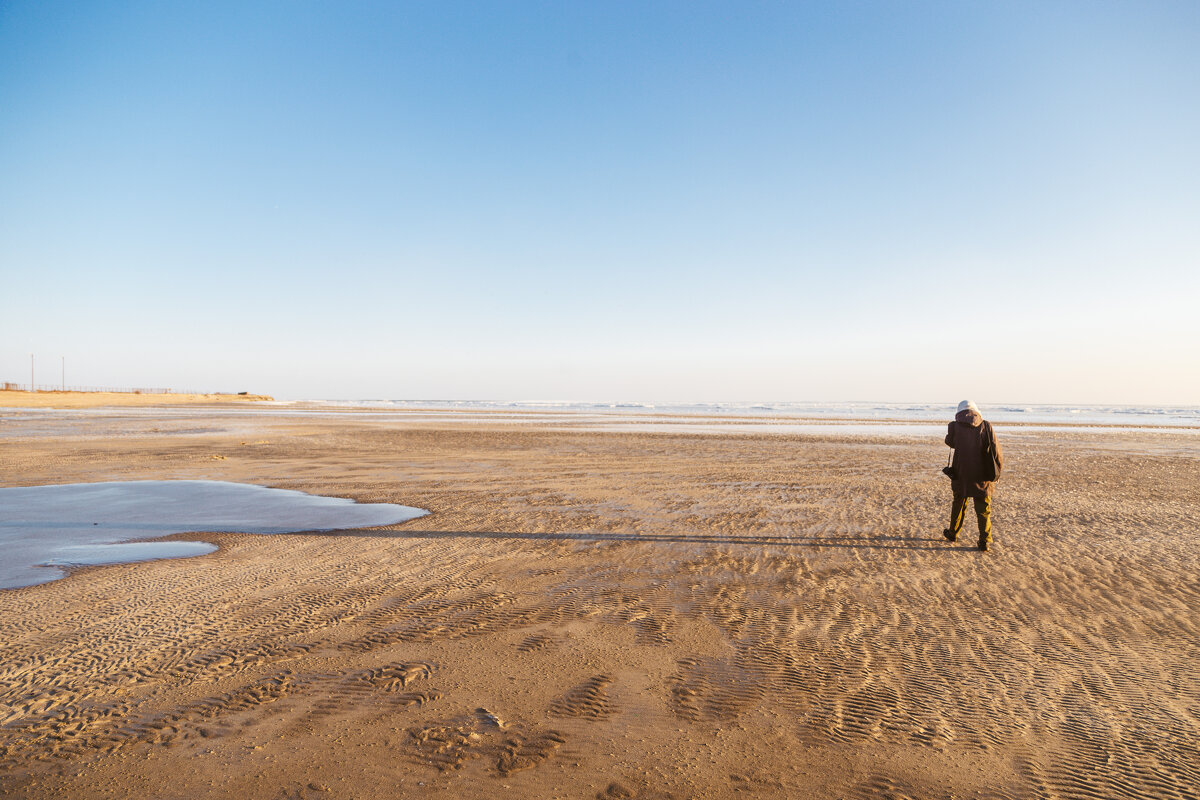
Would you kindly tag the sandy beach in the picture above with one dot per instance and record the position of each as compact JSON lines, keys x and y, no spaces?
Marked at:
{"x":69,"y":399}
{"x":590,"y":613}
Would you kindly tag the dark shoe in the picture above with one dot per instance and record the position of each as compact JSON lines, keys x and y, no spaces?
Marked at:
{"x":983,"y":545}
{"x":950,"y":535}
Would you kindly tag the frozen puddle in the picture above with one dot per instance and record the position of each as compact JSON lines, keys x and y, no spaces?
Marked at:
{"x":45,"y":528}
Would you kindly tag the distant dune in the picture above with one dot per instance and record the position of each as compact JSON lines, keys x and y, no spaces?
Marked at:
{"x":14,"y":399}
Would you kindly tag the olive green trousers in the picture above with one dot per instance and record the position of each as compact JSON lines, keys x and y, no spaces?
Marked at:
{"x":983,"y":513}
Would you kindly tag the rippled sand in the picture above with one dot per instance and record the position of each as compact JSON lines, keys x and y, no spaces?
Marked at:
{"x":592,"y":613}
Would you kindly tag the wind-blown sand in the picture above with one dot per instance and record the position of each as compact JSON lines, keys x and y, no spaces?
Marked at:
{"x":15,"y":399}
{"x":617,"y":615}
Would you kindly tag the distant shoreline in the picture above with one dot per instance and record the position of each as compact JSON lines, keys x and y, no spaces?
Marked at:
{"x":55,"y":399}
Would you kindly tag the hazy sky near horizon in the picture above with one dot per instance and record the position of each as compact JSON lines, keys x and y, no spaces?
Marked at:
{"x":698,"y":201}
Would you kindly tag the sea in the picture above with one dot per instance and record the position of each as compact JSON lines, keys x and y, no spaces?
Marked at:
{"x":1014,"y":413}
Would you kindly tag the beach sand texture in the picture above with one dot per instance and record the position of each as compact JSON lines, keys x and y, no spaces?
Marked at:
{"x":618,"y":615}
{"x":68,"y":399}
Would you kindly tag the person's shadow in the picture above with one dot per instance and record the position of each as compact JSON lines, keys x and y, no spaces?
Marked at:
{"x":881,"y":542}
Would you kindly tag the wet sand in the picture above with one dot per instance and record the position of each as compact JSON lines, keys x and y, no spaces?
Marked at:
{"x":615,"y":614}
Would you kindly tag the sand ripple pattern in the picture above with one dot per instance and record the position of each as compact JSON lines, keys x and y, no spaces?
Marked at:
{"x":81,"y":730}
{"x":589,"y":700}
{"x":647,"y":610}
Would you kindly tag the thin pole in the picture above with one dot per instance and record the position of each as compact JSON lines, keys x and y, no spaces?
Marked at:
{"x":64,"y":358}
{"x":32,"y":385}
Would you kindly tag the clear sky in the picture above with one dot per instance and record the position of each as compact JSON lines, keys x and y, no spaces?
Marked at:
{"x":895,"y":201}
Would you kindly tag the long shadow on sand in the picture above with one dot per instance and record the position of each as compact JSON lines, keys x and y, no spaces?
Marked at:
{"x":873,"y":542}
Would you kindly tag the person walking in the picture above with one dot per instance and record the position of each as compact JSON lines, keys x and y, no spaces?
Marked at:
{"x":974,"y":470}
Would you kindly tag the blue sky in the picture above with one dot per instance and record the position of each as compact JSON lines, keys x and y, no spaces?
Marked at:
{"x":600,"y":201}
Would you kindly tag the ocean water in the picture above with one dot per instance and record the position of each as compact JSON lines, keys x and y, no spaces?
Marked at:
{"x":1132,"y":415}
{"x":1004,"y":413}
{"x":44,"y":529}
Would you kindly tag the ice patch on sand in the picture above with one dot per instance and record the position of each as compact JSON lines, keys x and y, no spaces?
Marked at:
{"x":45,"y":528}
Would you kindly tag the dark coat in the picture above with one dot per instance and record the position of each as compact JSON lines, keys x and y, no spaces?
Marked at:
{"x":967,"y":436}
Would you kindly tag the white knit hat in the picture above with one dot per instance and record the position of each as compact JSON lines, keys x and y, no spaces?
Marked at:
{"x":965,"y":404}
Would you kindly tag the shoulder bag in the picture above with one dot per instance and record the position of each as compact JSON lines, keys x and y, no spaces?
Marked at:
{"x":991,"y":462}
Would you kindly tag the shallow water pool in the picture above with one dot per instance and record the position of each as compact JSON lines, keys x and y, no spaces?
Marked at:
{"x":44,"y":529}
